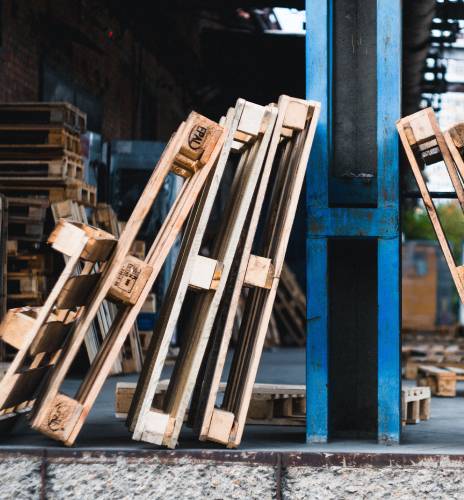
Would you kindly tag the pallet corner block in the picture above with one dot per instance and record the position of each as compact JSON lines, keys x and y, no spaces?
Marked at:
{"x":198,"y":146}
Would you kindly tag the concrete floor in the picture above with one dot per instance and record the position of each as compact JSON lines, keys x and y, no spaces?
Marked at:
{"x":442,"y":434}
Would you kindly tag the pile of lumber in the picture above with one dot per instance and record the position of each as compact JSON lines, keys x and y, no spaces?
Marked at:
{"x":266,"y":149}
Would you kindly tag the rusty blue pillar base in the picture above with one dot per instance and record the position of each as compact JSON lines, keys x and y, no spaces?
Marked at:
{"x":317,"y":342}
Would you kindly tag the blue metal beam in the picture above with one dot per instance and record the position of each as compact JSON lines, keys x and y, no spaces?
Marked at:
{"x":380,"y":221}
{"x":389,"y":284}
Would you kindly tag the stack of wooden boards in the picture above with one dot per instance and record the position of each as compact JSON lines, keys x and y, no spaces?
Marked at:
{"x":267,"y":150}
{"x":425,"y":144}
{"x":40,"y":163}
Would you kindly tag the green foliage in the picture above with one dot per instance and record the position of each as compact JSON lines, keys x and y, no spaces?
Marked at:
{"x":417,"y":225}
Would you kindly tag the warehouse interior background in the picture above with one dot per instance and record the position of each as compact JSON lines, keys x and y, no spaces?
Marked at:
{"x":137,"y":68}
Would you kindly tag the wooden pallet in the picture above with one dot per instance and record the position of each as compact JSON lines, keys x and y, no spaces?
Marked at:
{"x":249,"y":132}
{"x":296,"y":122}
{"x":271,"y":404}
{"x":70,"y":166}
{"x":442,"y":381}
{"x":25,"y":282}
{"x":290,"y":308}
{"x":38,"y":262}
{"x":424,"y":144}
{"x":105,"y":217}
{"x":415,"y":405}
{"x":412,"y":365}
{"x":24,"y":229}
{"x":26,"y":140}
{"x":192,"y":153}
{"x":40,"y":334}
{"x":46,"y":113}
{"x":54,"y":190}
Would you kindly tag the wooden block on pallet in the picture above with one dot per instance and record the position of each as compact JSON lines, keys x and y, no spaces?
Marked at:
{"x":441,"y":381}
{"x":130,"y":281}
{"x":206,"y":273}
{"x":259,"y":273}
{"x":66,"y":235}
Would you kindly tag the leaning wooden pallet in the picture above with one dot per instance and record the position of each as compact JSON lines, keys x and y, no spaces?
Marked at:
{"x":293,"y":134}
{"x":290,"y":308}
{"x":424,"y":143}
{"x":243,"y":125}
{"x":250,"y":133}
{"x":39,"y":334}
{"x":192,"y":153}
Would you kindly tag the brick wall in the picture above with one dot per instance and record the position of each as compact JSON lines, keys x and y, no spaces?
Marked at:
{"x":137,"y":96}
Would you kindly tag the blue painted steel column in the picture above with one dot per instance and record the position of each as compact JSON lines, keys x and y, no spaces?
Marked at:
{"x":318,"y":62}
{"x":380,"y":222}
{"x":389,"y":280}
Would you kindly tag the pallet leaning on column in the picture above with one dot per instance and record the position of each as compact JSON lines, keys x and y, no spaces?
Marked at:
{"x":294,"y":133}
{"x":251,"y":134}
{"x":424,"y":143}
{"x":39,"y":334}
{"x":192,"y":153}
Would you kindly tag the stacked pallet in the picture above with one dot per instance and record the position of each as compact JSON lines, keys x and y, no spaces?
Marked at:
{"x":267,"y":149}
{"x":40,"y":163}
{"x":41,"y":154}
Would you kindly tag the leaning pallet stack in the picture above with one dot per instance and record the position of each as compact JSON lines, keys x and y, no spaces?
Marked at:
{"x":267,"y":148}
{"x":40,"y":163}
